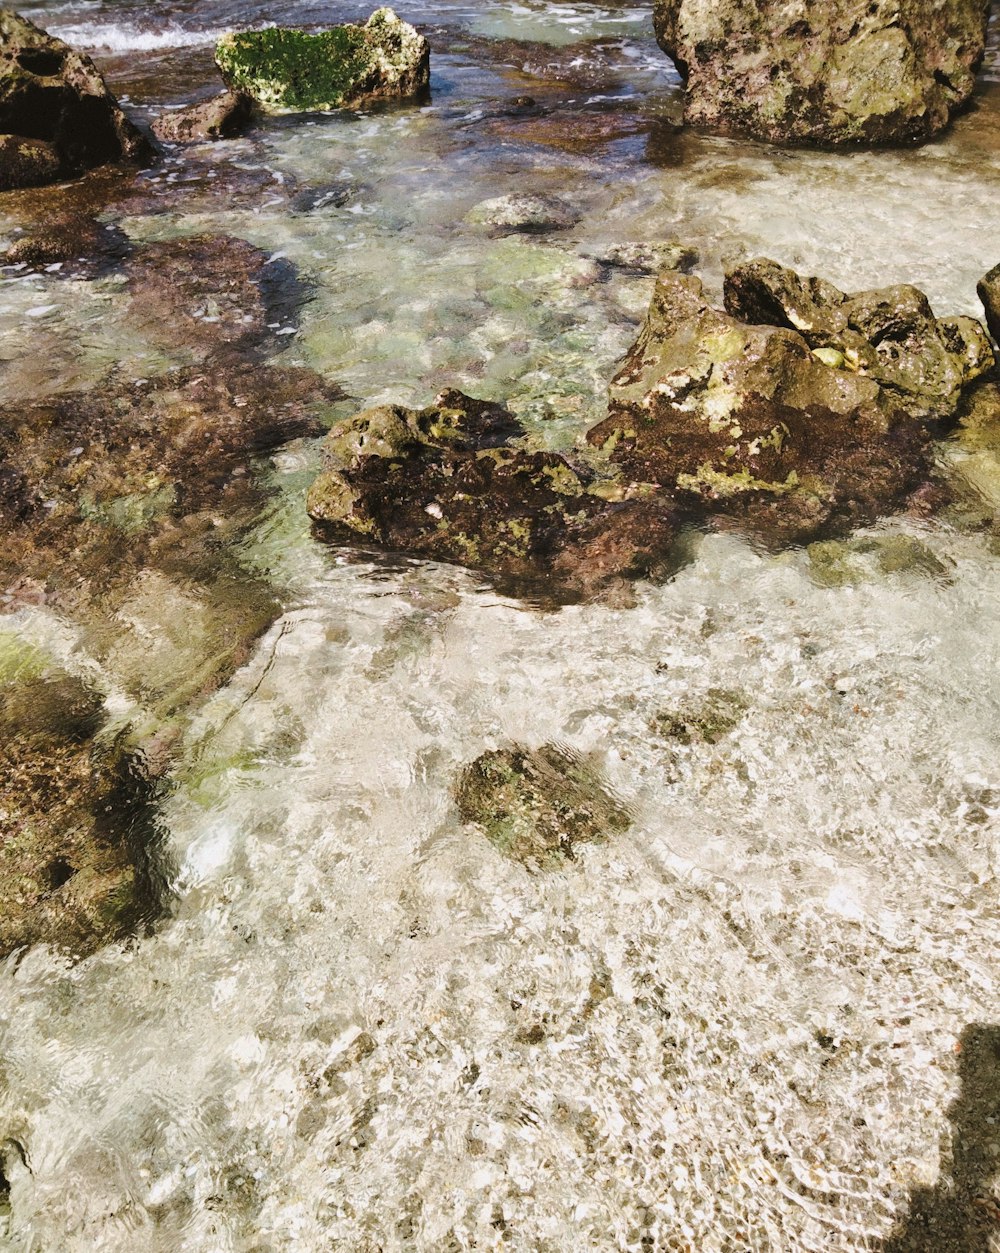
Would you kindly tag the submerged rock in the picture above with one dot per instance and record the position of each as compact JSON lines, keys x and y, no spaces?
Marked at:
{"x":57,"y":117}
{"x":524,"y":212}
{"x":223,"y":117}
{"x":989,"y":293}
{"x":846,"y":563}
{"x":208,"y":292}
{"x":807,"y":413}
{"x":445,"y":484}
{"x":537,"y":805}
{"x":76,"y":243}
{"x":844,"y":72}
{"x":77,"y":836}
{"x":649,"y":256}
{"x":290,"y":71}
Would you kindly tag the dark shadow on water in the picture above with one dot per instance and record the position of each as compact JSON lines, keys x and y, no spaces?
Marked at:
{"x":960,"y":1213}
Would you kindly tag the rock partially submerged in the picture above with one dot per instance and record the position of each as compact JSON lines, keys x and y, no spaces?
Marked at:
{"x":524,"y":213}
{"x":290,"y":71}
{"x":799,"y":412}
{"x":446,"y":483}
{"x":57,"y":117}
{"x":77,"y":836}
{"x":223,"y":117}
{"x":843,"y":72}
{"x":989,"y":293}
{"x":537,"y":805}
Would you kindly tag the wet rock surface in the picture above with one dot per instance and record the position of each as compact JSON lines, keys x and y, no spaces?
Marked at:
{"x":445,"y":483}
{"x":223,"y":117}
{"x":71,"y":244}
{"x":537,"y":805}
{"x":525,"y":213}
{"x":57,"y":117}
{"x":77,"y":836}
{"x":290,"y":71}
{"x":799,"y":412}
{"x":989,"y":293}
{"x":849,"y":72}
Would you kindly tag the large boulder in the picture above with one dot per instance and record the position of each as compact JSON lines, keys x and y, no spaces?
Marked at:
{"x":445,"y":483}
{"x":57,"y":117}
{"x":836,"y":72}
{"x":290,"y":71}
{"x":800,"y":411}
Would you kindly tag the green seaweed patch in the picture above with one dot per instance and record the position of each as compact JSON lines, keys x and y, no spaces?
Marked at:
{"x":291,"y":71}
{"x":537,"y":805}
{"x":705,"y":721}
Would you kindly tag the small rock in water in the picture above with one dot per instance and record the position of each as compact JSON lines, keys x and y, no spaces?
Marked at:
{"x":328,"y":196}
{"x":27,"y":162}
{"x":524,"y":212}
{"x":537,"y":805}
{"x":57,"y":95}
{"x":845,"y":563}
{"x":649,"y":257}
{"x":223,"y":117}
{"x":851,"y":72}
{"x":72,"y":245}
{"x":290,"y":71}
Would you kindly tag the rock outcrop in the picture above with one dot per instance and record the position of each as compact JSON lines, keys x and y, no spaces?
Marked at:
{"x":57,"y":117}
{"x":446,"y":483}
{"x":837,"y":72}
{"x":989,"y":293}
{"x":291,"y":71}
{"x":801,"y":411}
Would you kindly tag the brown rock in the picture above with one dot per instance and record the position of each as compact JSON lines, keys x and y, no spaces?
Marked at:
{"x":222,"y":117}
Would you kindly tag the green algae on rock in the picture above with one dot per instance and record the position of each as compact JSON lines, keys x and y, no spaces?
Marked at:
{"x":291,"y":71}
{"x":799,"y":412}
{"x":78,"y":842}
{"x":444,"y":483}
{"x":842,"y":72}
{"x":702,"y":721}
{"x":537,"y":805}
{"x":57,"y":117}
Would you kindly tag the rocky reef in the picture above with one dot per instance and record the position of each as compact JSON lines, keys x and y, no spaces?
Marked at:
{"x":796,"y":414}
{"x":57,"y":117}
{"x":290,"y":71}
{"x":537,"y":805}
{"x":844,"y":72}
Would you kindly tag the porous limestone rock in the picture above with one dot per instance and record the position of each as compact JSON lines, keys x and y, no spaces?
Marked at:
{"x":824,"y":71}
{"x":57,"y":117}
{"x":291,"y":71}
{"x":445,"y":483}
{"x":798,"y":412}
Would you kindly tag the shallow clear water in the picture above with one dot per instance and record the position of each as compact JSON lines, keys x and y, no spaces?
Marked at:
{"x":733,"y":1027}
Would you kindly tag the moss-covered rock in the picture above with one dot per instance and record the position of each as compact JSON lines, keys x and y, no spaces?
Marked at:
{"x":446,"y":483}
{"x":537,"y":805}
{"x":290,"y":71}
{"x":56,"y":105}
{"x":838,"y":72}
{"x":78,"y":843}
{"x":799,"y":412}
